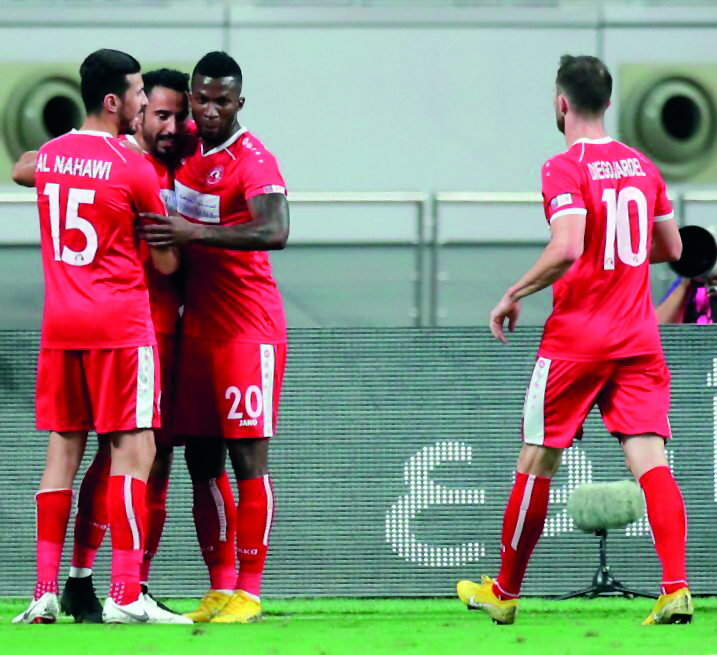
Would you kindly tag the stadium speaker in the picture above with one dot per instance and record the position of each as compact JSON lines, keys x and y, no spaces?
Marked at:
{"x":670,"y":114}
{"x":37,"y":103}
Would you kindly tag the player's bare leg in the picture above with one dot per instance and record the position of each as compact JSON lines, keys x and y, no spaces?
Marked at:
{"x":254,"y":514}
{"x":645,"y":457}
{"x":215,"y":522}
{"x":522,"y":526}
{"x":54,"y":503}
{"x":79,"y":598}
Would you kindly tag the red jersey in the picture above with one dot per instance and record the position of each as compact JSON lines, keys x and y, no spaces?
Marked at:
{"x":89,"y":192}
{"x":230,"y":294}
{"x":164,"y":297}
{"x":602,"y":308}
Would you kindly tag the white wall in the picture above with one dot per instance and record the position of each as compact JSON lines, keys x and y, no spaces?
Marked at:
{"x":384,"y":100}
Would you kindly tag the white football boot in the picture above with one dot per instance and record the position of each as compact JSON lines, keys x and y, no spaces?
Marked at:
{"x":45,"y":609}
{"x":141,"y":611}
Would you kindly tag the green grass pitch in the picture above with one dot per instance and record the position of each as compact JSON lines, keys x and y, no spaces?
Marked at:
{"x":376,"y":627}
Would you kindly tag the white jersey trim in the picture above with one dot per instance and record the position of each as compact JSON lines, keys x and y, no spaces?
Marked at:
{"x":596,"y":142}
{"x":231,"y":140}
{"x":664,"y":217}
{"x":567,"y":212}
{"x":93,"y":133}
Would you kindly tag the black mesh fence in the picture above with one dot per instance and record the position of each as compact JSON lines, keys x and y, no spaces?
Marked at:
{"x":392,"y":465}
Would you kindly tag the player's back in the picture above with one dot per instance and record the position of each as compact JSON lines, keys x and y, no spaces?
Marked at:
{"x":602,"y":308}
{"x":90,"y":190}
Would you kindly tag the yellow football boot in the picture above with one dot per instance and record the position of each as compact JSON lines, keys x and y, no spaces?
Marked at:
{"x":481,"y":597}
{"x":242,"y":608}
{"x":213,"y":603}
{"x":676,"y":607}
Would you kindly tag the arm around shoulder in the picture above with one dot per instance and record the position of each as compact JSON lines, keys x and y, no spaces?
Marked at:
{"x":23,"y":172}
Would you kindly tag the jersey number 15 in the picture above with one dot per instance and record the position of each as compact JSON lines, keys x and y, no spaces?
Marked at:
{"x":75,"y":198}
{"x":617,"y":206}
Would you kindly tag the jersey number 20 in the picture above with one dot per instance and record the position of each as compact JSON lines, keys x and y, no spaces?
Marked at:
{"x":618,"y":227}
{"x":75,"y":198}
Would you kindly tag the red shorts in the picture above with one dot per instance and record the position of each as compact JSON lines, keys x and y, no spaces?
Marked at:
{"x":228,"y":389}
{"x":103,"y":390}
{"x":633,"y":395}
{"x":167,"y":351}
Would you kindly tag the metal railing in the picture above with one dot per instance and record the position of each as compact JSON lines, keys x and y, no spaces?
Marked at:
{"x":427,"y":238}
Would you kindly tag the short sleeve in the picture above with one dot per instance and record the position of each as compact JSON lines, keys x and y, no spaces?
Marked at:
{"x":663,"y":206}
{"x":260,"y":175}
{"x":562,"y":193}
{"x":146,"y":194}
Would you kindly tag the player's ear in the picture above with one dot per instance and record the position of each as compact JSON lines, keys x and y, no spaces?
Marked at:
{"x":563,"y":104}
{"x":240,"y":101}
{"x":112,"y":103}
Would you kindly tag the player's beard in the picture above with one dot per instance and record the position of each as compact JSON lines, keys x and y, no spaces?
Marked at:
{"x":129,"y":124}
{"x":560,"y":120}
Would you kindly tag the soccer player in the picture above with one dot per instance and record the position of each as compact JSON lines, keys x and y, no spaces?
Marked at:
{"x":232,"y":209}
{"x":609,"y":219}
{"x":97,"y":368}
{"x":163,"y":138}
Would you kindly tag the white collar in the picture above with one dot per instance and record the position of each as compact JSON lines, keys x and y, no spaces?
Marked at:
{"x":133,"y":139}
{"x":596,"y":142}
{"x":93,"y":133}
{"x":232,"y":139}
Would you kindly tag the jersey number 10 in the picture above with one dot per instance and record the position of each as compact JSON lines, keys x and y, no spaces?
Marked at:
{"x":75,"y":198}
{"x":617,"y":206}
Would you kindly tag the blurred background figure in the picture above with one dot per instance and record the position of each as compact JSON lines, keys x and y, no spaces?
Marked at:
{"x":693,"y":296}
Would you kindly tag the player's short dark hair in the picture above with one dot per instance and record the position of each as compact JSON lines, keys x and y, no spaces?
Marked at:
{"x":103,"y":72}
{"x":586,"y":82}
{"x":218,"y":64}
{"x":166,"y":78}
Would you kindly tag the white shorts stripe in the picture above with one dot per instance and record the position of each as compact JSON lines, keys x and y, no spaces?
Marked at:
{"x":129,"y":511}
{"x":267,"y":356}
{"x":269,"y":509}
{"x":145,"y":386}
{"x":221,"y":510}
{"x":524,"y":505}
{"x":534,"y":408}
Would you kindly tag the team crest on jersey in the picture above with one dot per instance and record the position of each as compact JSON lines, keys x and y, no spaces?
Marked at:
{"x":215,"y":175}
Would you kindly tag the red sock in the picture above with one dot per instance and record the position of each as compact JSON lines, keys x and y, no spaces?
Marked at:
{"x":156,"y":516}
{"x":53,"y":513}
{"x":522,"y":526}
{"x":668,"y":521}
{"x":255,"y":513}
{"x":92,"y":518}
{"x":215,"y":521}
{"x":128,"y":516}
